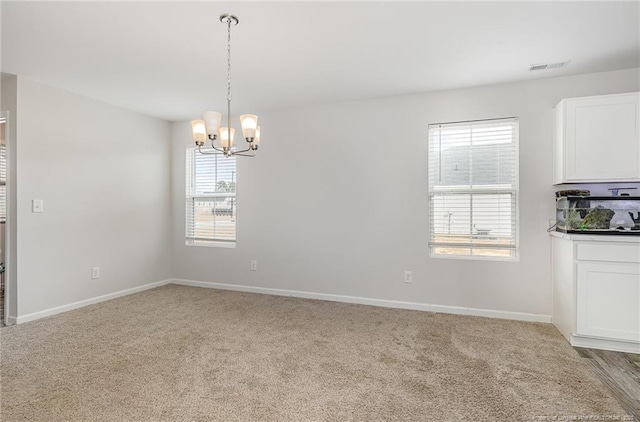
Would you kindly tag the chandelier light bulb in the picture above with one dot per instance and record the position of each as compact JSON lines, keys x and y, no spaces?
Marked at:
{"x":249,"y":124}
{"x":256,"y":140}
{"x":212,"y":121}
{"x":199,"y":132}
{"x":224,"y":137}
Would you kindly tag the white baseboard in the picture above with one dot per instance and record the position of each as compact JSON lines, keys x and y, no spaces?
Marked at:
{"x":64,"y":308}
{"x":519,"y":316}
{"x":605,"y":344}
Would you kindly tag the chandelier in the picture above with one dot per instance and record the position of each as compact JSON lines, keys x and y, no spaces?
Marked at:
{"x":209,"y":126}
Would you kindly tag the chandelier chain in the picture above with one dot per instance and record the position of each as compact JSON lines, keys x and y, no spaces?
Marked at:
{"x":229,"y":60}
{"x":229,"y":79}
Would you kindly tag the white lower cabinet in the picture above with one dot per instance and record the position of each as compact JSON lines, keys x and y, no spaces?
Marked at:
{"x":608,"y":300}
{"x":596,"y":291}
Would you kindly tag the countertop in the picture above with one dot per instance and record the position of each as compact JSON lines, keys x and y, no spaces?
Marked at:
{"x":596,"y":237}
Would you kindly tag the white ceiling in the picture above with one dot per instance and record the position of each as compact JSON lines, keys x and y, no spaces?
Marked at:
{"x":168,"y":59}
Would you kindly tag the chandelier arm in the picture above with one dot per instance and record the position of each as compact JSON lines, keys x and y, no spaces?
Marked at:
{"x":208,"y":153}
{"x":214,"y":146}
{"x":243,"y":150}
{"x":204,"y":152}
{"x":240,"y":152}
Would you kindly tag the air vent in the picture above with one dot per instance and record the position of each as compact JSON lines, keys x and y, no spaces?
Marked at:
{"x":547,"y":66}
{"x":538,"y":67}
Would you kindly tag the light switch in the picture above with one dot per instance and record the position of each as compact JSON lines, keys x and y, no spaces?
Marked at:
{"x":37,"y":205}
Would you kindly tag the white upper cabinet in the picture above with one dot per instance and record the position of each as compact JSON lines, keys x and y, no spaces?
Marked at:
{"x":597,"y":139}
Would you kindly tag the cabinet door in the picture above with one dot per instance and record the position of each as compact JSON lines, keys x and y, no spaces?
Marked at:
{"x":608,"y":300}
{"x":601,"y":138}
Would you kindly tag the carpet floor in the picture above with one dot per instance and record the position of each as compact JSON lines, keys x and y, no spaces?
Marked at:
{"x":179,"y":353}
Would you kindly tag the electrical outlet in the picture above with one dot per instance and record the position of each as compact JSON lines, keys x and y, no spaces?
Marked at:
{"x":408,"y":277}
{"x":37,"y":205}
{"x":95,"y":273}
{"x":254,"y":265}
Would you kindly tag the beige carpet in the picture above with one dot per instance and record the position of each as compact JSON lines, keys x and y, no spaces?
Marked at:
{"x":180,"y":354}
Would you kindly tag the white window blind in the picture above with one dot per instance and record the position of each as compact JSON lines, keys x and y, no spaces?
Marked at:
{"x":210,"y":197}
{"x":3,"y":177}
{"x":473,"y":188}
{"x":3,"y":182}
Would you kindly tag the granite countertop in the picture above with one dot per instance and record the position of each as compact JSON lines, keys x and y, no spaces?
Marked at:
{"x":596,"y":237}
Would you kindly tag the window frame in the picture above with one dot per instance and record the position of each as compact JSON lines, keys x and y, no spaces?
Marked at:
{"x":514,"y":190}
{"x":190,"y":196}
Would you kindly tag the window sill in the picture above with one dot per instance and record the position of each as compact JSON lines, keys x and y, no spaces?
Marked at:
{"x":476,"y":257}
{"x":229,"y":245}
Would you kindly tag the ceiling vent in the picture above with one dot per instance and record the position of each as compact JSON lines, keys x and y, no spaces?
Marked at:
{"x":547,"y":66}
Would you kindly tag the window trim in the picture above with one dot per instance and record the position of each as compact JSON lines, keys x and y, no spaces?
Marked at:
{"x":515,"y":190}
{"x":212,"y":244}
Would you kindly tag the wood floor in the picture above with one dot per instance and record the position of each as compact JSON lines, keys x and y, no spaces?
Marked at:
{"x":620,"y":372}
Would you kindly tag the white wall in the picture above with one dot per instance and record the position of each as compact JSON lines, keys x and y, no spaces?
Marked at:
{"x":103,"y":173}
{"x":371,"y":157}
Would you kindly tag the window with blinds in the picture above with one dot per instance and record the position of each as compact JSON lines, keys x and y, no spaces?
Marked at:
{"x":210,"y":198}
{"x":3,"y":172}
{"x":473,"y":189}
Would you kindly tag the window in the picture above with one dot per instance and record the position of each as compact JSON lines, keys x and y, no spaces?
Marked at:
{"x":211,"y":198}
{"x":3,"y":171}
{"x":473,"y":189}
